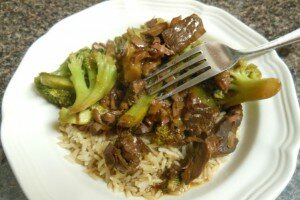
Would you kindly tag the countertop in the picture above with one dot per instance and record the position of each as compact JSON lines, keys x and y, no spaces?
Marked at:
{"x":24,"y":21}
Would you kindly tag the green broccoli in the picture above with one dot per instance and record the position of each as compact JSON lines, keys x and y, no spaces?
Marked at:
{"x":136,"y":113}
{"x":163,"y":135}
{"x":100,"y":81}
{"x":203,"y":96}
{"x":56,"y":87}
{"x":58,"y":97}
{"x":247,"y":85}
{"x":80,"y":118}
{"x":63,"y":69}
{"x":80,"y":82}
{"x":55,"y":81}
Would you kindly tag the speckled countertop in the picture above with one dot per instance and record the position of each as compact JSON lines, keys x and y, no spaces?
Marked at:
{"x":23,"y":21}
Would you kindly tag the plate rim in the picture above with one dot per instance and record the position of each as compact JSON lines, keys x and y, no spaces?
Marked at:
{"x":292,"y":103}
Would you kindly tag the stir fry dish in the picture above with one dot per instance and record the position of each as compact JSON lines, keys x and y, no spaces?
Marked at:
{"x":136,"y":143}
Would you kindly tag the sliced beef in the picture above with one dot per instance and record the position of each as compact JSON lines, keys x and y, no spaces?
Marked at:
{"x":175,"y":21}
{"x":156,"y":40}
{"x":149,"y":66}
{"x":141,"y":146}
{"x":134,"y":90}
{"x":223,"y":81}
{"x":151,"y":22}
{"x":138,"y":42}
{"x":124,"y":155}
{"x":120,"y":47}
{"x":137,"y":86}
{"x":109,"y":118}
{"x":160,"y":112}
{"x":194,"y":162}
{"x":198,"y":117}
{"x":162,"y":49}
{"x":156,"y":29}
{"x":142,"y":129}
{"x":223,"y":140}
{"x":183,"y":32}
{"x":235,"y":116}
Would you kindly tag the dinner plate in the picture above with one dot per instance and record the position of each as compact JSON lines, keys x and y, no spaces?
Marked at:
{"x":261,"y":166}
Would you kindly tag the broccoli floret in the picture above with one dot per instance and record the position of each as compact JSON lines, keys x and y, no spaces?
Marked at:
{"x":136,"y":113}
{"x":55,"y":81}
{"x":56,"y":87}
{"x":163,"y":135}
{"x":100,"y":82}
{"x":80,"y":82}
{"x":80,"y":118}
{"x":63,"y":70}
{"x":58,"y":97}
{"x":247,"y":85}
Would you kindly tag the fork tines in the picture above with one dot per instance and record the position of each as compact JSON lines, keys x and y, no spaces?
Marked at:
{"x":184,"y":70}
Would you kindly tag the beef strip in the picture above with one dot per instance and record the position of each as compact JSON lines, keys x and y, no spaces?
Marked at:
{"x":138,"y":42}
{"x":156,"y":29}
{"x":120,"y":47}
{"x":162,"y":49}
{"x":151,"y":22}
{"x":194,"y":162}
{"x":142,"y":129}
{"x":223,"y":80}
{"x":124,"y":155}
{"x":149,"y":66}
{"x":134,"y":90}
{"x":159,"y":112}
{"x":223,"y":140}
{"x":183,"y":33}
{"x":198,"y":117}
{"x":109,"y":118}
{"x":96,"y":116}
{"x":175,"y":21}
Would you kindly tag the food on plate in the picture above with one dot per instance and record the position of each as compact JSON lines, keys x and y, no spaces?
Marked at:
{"x":136,"y":143}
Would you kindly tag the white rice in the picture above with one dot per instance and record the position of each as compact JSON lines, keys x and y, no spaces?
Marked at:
{"x":87,"y":150}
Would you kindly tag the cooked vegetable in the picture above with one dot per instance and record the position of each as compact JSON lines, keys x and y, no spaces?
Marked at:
{"x":56,"y":81}
{"x":247,"y":85}
{"x":204,"y":97}
{"x":56,"y":87}
{"x":136,"y":113}
{"x":80,"y":82}
{"x":80,"y":118}
{"x":163,"y":135}
{"x":100,"y":84}
{"x":58,"y":97}
{"x":63,"y":69}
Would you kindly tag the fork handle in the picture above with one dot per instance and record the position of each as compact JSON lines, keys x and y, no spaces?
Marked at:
{"x":289,"y":38}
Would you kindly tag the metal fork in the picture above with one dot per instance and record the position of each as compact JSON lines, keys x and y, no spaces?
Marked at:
{"x":210,"y":59}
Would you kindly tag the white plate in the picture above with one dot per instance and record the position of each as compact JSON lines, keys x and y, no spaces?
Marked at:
{"x":261,"y":166}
